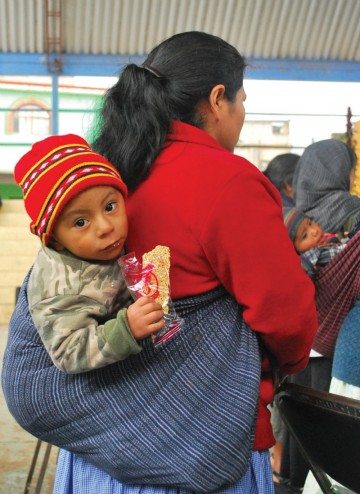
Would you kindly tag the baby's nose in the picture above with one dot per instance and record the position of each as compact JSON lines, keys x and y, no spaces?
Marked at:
{"x":104,"y":226}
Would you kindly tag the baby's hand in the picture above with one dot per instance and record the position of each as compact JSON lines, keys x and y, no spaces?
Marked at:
{"x":145,"y":317}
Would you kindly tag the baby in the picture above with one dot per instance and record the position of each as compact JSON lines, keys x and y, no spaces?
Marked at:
{"x":77,"y":296}
{"x":334,"y":267}
{"x":315,"y":247}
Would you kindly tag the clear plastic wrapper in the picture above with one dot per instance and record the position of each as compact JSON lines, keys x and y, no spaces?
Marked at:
{"x":150,"y":278}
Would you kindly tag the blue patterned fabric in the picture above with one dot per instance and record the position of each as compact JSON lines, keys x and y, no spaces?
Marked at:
{"x":75,"y":476}
{"x":182,"y":415}
{"x":346,"y":362}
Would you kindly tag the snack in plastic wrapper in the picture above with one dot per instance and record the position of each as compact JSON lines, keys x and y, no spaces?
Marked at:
{"x":151,"y":278}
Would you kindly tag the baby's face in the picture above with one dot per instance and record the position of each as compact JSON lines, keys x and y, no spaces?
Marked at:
{"x":308,"y":235}
{"x":93,"y":226}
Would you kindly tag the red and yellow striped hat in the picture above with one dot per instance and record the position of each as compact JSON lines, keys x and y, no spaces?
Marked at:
{"x":54,"y":171}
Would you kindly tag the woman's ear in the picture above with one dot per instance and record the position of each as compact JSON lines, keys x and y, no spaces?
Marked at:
{"x":216,"y":99}
{"x":212,"y":111}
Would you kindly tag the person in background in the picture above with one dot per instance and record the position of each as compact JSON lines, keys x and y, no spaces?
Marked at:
{"x":280,"y":171}
{"x":333,"y":266}
{"x":322,"y":180}
{"x":75,"y":199}
{"x":315,"y":246}
{"x":170,"y":126}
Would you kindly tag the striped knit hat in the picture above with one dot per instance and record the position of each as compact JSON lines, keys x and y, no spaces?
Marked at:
{"x":53,"y":172}
{"x":292,"y":219}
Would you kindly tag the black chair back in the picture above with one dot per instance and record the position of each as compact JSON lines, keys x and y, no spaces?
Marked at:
{"x":327,"y":430}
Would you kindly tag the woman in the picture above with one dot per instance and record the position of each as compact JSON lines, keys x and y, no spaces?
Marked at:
{"x":280,"y":172}
{"x":171,"y":126}
{"x":323,"y":179}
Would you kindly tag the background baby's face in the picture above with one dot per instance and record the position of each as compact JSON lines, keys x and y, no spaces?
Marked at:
{"x":308,"y":235}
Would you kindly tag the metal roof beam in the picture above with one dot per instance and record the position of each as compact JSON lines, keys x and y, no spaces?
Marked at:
{"x":23,"y":64}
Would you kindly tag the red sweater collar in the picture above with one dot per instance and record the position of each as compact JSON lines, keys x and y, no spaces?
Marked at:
{"x":184,"y":132}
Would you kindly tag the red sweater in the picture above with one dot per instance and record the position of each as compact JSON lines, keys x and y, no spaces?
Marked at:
{"x":222,"y":220}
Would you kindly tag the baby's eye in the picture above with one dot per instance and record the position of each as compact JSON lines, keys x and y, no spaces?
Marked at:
{"x":111,"y":206}
{"x":80,"y":223}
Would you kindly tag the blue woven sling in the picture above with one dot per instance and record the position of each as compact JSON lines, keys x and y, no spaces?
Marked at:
{"x":180,"y":416}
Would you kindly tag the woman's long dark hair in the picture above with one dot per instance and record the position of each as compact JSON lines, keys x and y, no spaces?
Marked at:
{"x":175,"y":77}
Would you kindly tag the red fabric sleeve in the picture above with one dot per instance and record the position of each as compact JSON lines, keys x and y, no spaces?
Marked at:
{"x":255,"y":260}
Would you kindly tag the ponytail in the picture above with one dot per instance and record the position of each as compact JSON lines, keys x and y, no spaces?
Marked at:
{"x":135,"y":122}
{"x":139,"y":109}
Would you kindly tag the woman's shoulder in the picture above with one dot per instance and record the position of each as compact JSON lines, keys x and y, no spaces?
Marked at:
{"x":242,"y":173}
{"x":192,"y":148}
{"x":222,"y":162}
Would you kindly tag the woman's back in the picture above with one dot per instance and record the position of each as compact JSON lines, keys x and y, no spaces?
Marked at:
{"x":192,"y":173}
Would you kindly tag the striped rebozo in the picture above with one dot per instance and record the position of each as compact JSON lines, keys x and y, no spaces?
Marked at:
{"x":201,"y":390}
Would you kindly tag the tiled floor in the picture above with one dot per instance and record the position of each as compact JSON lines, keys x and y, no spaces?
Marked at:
{"x":16,"y":449}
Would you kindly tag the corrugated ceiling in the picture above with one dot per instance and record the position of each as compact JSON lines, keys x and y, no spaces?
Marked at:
{"x":272,"y":29}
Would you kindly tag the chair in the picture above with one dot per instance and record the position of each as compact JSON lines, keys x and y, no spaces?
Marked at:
{"x":42,"y":469}
{"x":327,"y":429}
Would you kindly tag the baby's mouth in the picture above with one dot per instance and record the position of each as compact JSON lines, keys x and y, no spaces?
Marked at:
{"x":112,"y":246}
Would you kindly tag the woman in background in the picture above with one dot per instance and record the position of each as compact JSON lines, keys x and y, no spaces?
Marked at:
{"x":322,"y":182}
{"x":323,"y":179}
{"x":280,"y":172}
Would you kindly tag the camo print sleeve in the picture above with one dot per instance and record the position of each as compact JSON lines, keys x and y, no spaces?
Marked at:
{"x":79,"y":309}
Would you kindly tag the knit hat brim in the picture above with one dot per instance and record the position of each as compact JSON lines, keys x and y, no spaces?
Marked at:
{"x":292,"y":219}
{"x":53,"y":172}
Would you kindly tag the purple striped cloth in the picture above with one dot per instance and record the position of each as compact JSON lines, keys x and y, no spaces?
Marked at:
{"x":337,"y":289}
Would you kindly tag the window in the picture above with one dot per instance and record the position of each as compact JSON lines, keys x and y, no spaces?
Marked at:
{"x":280,"y":128}
{"x":29,"y":118}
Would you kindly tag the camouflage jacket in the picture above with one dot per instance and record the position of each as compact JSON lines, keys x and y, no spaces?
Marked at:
{"x":79,"y":309}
